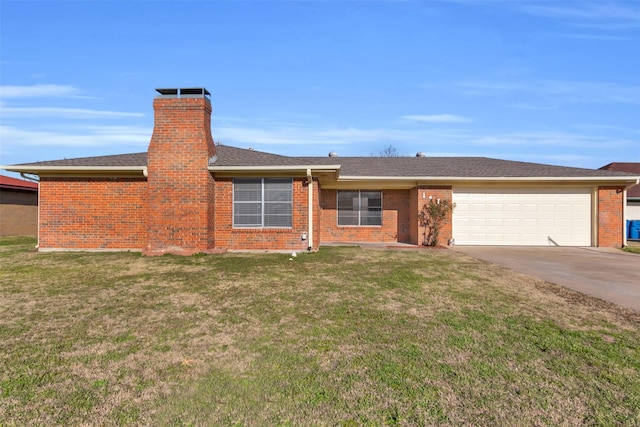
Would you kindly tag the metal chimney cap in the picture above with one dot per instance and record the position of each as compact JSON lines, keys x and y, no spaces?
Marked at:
{"x":333,"y":154}
{"x":191,"y":92}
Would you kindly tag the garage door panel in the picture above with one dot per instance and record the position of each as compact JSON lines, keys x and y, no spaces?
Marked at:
{"x":509,"y":216}
{"x":478,"y":223}
{"x":546,"y":223}
{"x":464,"y":222}
{"x":581,"y":222}
{"x":478,"y":207}
{"x":512,"y":222}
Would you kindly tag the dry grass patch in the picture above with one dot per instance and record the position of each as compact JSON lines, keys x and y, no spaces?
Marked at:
{"x":341,"y":337}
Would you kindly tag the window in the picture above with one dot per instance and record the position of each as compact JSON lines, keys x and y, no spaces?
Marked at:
{"x":357,"y":207}
{"x":262,"y":202}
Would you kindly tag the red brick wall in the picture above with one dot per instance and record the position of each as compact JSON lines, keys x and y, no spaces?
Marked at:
{"x":610,"y":216}
{"x":93,"y":213}
{"x":422,"y":193}
{"x":181,"y":189}
{"x":395,"y":220}
{"x":227,"y":237}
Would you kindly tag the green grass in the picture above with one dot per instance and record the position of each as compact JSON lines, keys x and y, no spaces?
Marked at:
{"x":342,"y":337}
{"x":632,"y":249}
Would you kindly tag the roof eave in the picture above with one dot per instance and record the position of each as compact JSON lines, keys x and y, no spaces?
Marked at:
{"x":622,"y":180}
{"x":19,"y":188}
{"x":78,"y":170}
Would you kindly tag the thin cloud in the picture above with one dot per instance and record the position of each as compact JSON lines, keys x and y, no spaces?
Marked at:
{"x":82,"y":137}
{"x":553,"y":139}
{"x":37,"y":91}
{"x":274,"y":134}
{"x":437,"y":118}
{"x":299,"y":135}
{"x":66,"y":113}
{"x":409,"y":140}
{"x":534,"y":107}
{"x":587,"y":11}
{"x":601,"y":37}
{"x":558,"y":90}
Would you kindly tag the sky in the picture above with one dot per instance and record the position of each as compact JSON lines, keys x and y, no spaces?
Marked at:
{"x":555,"y":82}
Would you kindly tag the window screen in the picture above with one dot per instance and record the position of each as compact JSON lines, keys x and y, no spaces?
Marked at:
{"x":357,"y":207}
{"x":262,"y":202}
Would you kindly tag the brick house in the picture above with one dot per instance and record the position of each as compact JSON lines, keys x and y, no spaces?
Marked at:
{"x":18,"y":207}
{"x":187,"y":195}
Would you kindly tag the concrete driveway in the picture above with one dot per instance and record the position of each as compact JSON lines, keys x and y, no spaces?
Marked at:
{"x":608,"y":274}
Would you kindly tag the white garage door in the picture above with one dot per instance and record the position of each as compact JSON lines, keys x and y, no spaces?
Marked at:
{"x":522,"y":216}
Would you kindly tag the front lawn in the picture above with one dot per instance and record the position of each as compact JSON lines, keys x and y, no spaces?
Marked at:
{"x":343,"y":337}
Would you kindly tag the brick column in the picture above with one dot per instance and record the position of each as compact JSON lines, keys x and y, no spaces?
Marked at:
{"x":610,"y":216}
{"x":418,"y":197}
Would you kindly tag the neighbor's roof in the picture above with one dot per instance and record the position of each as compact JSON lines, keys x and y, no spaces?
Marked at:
{"x":231,"y":158}
{"x":634,"y":168}
{"x":10,"y":183}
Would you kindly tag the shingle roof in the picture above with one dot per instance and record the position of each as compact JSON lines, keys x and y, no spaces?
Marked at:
{"x":472,"y":167}
{"x":628,"y":167}
{"x":462,"y":167}
{"x":233,"y":156}
{"x":118,"y":160}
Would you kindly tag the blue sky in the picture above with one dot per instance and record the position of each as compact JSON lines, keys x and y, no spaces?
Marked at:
{"x":553,"y":82}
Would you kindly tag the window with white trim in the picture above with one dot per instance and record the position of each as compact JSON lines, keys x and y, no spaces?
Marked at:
{"x":359,"y":207}
{"x":262,"y":202}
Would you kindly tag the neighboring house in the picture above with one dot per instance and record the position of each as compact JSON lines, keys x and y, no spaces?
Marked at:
{"x":18,"y":207}
{"x":187,"y":195}
{"x":633,"y":194}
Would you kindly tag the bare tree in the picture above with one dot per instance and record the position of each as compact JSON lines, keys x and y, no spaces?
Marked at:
{"x":389,"y":151}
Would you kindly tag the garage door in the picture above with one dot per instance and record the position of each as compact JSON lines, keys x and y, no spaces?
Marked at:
{"x":517,"y":216}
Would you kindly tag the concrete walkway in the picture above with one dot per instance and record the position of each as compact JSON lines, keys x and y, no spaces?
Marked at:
{"x":608,"y":274}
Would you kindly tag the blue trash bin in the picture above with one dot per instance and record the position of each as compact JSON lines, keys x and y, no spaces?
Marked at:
{"x":634,"y":230}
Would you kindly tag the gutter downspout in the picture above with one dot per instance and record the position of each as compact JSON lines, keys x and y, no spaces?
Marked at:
{"x":38,"y":231}
{"x":624,"y":211}
{"x":310,"y":202}
{"x":595,"y":215}
{"x":35,"y":179}
{"x":624,"y":217}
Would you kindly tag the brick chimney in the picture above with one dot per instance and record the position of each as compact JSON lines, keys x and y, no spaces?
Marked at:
{"x":181,"y":189}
